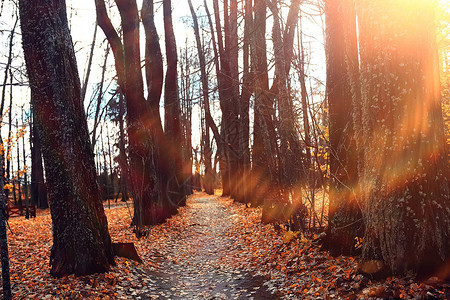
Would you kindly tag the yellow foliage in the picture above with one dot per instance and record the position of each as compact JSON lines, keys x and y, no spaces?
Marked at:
{"x":8,"y":186}
{"x":303,"y":239}
{"x":290,"y":235}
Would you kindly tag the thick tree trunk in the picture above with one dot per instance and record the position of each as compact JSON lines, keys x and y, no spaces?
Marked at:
{"x":142,"y":174}
{"x":155,"y":77}
{"x":407,"y":205}
{"x":265,"y":185}
{"x":229,"y":101}
{"x":172,"y":121}
{"x":345,"y":216}
{"x":81,"y":241}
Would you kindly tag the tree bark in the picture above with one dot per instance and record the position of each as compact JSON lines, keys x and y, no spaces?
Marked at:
{"x":406,"y":193}
{"x":265,"y":185}
{"x":81,"y":241}
{"x":345,"y":222}
{"x":172,"y":120}
{"x":228,"y":101}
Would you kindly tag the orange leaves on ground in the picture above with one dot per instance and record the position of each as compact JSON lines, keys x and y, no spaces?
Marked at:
{"x":290,"y":263}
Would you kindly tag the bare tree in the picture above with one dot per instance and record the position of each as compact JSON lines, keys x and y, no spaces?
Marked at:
{"x":208,"y":181}
{"x":154,"y":156}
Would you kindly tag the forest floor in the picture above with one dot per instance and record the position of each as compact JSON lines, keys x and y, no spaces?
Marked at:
{"x":212,"y":249}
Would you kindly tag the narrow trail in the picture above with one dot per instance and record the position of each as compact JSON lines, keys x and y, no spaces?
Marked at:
{"x":201,"y":244}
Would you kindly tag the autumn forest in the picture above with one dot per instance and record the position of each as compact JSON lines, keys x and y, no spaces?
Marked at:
{"x":225,"y":149}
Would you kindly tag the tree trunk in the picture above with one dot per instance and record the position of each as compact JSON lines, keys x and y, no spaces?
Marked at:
{"x":88,"y":67}
{"x":6,"y":282}
{"x":38,"y":187}
{"x":209,"y":176}
{"x":244,"y":107}
{"x":150,"y":156}
{"x":345,"y":222}
{"x":81,"y":241}
{"x":406,"y":194}
{"x":220,"y":140}
{"x":172,"y":120}
{"x":100,"y":94}
{"x":142,"y":170}
{"x":25,"y":172}
{"x":264,"y":184}
{"x":232,"y":50}
{"x":19,"y":191}
{"x":155,"y":77}
{"x":291,"y":166}
{"x":123,"y":160}
{"x":8,"y":64}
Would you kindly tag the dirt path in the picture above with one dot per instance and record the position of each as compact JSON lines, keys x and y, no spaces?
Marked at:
{"x":192,"y":264}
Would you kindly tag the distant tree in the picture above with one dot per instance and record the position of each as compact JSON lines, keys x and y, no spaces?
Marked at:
{"x":226,"y":62}
{"x":244,"y":173}
{"x":38,"y":187}
{"x":290,"y":150}
{"x":209,"y":176}
{"x":265,"y":167}
{"x":406,"y":193}
{"x":186,"y":97}
{"x":6,"y":281}
{"x":81,"y":241}
{"x":6,"y":154}
{"x":116,"y":112}
{"x":4,"y":256}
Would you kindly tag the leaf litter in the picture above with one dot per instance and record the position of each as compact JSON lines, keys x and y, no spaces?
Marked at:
{"x":212,"y":249}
